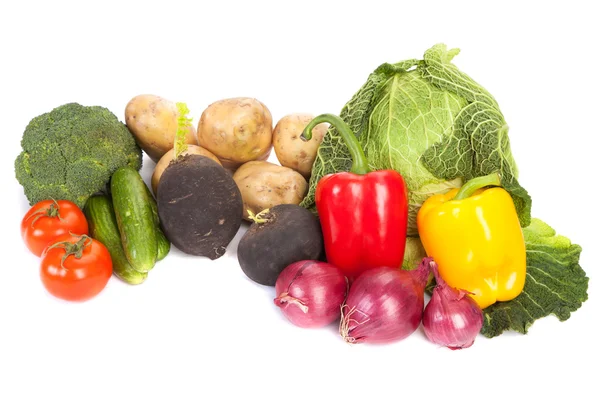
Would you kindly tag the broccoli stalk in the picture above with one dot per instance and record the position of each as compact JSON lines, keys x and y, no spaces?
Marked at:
{"x":72,"y":151}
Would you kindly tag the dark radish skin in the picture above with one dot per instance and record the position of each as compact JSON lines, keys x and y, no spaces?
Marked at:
{"x":199,"y":205}
{"x":278,"y":237}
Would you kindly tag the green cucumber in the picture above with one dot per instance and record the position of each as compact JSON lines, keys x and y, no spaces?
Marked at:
{"x":164,"y":246}
{"x":103,"y":227}
{"x":135,"y":218}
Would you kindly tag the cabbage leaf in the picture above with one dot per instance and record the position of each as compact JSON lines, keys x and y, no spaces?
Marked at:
{"x":555,"y":283}
{"x":432,"y":123}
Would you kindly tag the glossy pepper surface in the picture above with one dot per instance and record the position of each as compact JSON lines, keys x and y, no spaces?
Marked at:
{"x":474,"y":236}
{"x":363,"y":213}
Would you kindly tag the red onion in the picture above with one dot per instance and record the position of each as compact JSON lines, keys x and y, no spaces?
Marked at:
{"x":310,"y":293}
{"x":384,"y":305}
{"x":452,"y":318}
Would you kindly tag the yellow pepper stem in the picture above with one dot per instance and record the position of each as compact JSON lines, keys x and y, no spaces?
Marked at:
{"x":474,"y":184}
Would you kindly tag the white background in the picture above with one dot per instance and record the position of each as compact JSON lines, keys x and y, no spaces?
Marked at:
{"x":201,"y":330}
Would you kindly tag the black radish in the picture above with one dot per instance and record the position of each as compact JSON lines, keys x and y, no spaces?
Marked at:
{"x":199,"y":206}
{"x":278,"y":237}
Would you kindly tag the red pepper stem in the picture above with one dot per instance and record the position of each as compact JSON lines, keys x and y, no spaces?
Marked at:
{"x":474,"y":184}
{"x":359,"y":160}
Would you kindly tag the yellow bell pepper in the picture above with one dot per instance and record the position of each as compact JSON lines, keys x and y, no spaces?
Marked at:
{"x":474,"y":236}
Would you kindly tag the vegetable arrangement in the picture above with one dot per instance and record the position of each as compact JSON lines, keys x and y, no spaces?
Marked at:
{"x":411,"y":190}
{"x":439,"y":128}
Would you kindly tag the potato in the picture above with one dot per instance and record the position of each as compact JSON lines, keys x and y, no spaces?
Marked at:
{"x":153,"y":122}
{"x":292,"y":151}
{"x":168,"y":156}
{"x":236,"y":130}
{"x":264,"y":185}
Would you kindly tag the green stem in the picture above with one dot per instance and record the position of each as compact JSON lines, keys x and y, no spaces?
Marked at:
{"x":53,"y":212}
{"x":183,"y":124}
{"x":258,"y":218}
{"x":471,"y":186}
{"x":73,"y":249}
{"x":359,"y":160}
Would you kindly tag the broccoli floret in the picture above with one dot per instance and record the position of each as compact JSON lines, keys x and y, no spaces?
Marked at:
{"x":71,"y":152}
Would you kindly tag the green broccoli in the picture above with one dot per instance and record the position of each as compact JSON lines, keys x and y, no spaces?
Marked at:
{"x":71,"y":152}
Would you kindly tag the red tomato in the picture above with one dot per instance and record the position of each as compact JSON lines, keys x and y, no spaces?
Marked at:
{"x":75,"y":267}
{"x":49,"y":219}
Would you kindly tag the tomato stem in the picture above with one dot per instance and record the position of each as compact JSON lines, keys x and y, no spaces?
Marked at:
{"x":72,"y":249}
{"x":53,"y":212}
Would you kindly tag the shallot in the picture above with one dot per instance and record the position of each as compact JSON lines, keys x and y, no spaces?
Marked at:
{"x":384,"y":305}
{"x":310,"y":293}
{"x":451,"y":318}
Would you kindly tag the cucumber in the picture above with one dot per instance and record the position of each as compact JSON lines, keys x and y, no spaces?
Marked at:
{"x":164,"y":246}
{"x":103,"y":227}
{"x":135,"y":218}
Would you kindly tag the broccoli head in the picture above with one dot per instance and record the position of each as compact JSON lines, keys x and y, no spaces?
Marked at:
{"x":72,"y":151}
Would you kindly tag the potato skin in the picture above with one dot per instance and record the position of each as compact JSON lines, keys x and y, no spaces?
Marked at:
{"x":265,"y":185}
{"x":153,"y":122}
{"x":293,"y":152}
{"x":236,"y":130}
{"x":168,"y":157}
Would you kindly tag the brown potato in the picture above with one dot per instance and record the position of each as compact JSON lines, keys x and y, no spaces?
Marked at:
{"x":153,"y":122}
{"x":265,"y":185}
{"x":236,"y":130}
{"x":292,"y":151}
{"x":168,"y":156}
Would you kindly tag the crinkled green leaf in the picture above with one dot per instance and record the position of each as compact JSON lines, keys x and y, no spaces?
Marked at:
{"x":430,"y":122}
{"x":438,"y":128}
{"x":333,"y":155}
{"x":414,"y":252}
{"x":555,"y":283}
{"x":479,"y":143}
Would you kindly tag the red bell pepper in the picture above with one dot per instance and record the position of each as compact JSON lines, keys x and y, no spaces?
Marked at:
{"x":363,"y":214}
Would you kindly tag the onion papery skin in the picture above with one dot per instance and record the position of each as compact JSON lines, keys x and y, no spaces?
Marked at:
{"x":310,"y":293}
{"x":451,"y":318}
{"x":384,"y":305}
